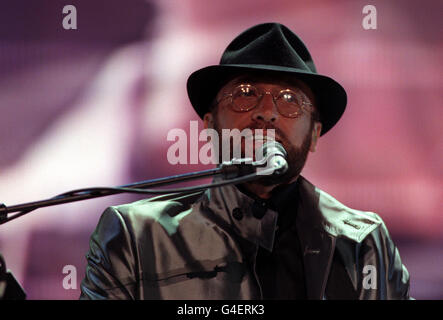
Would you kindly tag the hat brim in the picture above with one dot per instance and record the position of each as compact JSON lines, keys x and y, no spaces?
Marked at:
{"x":204,"y":84}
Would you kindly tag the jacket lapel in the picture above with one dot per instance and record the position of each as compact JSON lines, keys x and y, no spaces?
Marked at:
{"x":317,"y":245}
{"x":318,"y":250}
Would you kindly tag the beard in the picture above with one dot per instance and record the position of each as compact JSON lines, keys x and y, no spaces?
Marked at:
{"x":296,"y":156}
{"x":296,"y":159}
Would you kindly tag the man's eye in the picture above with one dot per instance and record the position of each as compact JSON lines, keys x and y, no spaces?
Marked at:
{"x":289,"y":97}
{"x":247,"y":92}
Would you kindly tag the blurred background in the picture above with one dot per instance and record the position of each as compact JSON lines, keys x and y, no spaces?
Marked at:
{"x":93,"y":106}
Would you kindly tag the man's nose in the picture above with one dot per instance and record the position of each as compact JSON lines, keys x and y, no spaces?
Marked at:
{"x":266,"y":110}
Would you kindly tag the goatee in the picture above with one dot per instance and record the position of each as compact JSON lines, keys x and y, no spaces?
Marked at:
{"x":296,"y":161}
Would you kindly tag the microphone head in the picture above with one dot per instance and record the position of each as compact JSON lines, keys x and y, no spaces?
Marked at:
{"x":271,"y":147}
{"x":274,"y":155}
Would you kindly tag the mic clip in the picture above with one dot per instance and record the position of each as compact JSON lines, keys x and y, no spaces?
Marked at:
{"x":237,"y":167}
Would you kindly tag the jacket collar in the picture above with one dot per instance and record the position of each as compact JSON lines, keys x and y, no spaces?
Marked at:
{"x":236,"y":209}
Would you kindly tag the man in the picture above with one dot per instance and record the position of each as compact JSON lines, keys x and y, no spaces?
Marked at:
{"x":267,"y":239}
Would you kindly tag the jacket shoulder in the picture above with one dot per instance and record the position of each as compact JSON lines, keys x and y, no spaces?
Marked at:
{"x":342,"y":221}
{"x":166,"y":210}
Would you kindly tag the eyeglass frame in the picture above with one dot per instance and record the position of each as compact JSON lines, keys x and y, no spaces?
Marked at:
{"x":275,"y":98}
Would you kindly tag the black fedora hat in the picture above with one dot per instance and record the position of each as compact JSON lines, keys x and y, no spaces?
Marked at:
{"x":272,"y":48}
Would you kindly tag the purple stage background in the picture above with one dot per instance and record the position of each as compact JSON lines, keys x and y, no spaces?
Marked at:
{"x":93,"y":107}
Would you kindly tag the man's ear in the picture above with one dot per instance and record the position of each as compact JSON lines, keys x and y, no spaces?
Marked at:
{"x":315,"y":135}
{"x":208,"y":121}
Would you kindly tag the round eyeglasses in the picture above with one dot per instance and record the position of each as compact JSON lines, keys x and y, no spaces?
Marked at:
{"x":289,"y":103}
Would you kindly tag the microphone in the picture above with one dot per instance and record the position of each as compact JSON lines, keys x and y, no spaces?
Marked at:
{"x":274,"y":155}
{"x":271,"y":155}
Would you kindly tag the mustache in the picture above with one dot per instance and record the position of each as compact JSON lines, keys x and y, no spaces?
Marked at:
{"x":279,"y":134}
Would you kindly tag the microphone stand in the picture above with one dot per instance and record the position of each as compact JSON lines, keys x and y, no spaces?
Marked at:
{"x":228,"y":170}
{"x":233,"y":172}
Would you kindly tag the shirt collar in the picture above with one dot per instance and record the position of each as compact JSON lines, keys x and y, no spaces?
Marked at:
{"x":239,"y":210}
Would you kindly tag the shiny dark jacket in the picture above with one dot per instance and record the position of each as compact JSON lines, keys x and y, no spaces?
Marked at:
{"x":191,"y":247}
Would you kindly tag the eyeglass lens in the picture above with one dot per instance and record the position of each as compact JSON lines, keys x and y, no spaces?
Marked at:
{"x":246,"y":97}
